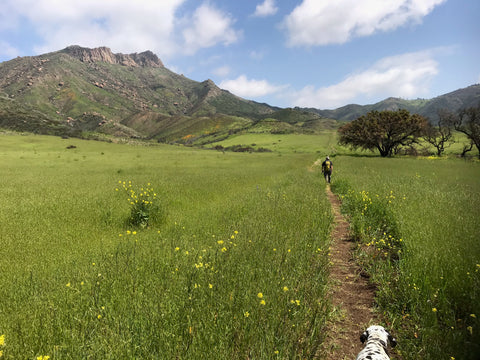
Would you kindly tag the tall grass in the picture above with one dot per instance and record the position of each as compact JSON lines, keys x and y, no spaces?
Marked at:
{"x":418,"y":221}
{"x":234,"y":266}
{"x":324,"y":143}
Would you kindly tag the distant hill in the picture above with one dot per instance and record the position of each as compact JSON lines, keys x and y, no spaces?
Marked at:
{"x":82,"y":92}
{"x":453,"y":101}
{"x":89,"y":93}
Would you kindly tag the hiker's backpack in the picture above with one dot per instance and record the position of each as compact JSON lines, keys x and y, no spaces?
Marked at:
{"x":327,"y":166}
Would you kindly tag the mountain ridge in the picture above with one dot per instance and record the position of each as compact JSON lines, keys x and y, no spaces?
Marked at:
{"x":79,"y":91}
{"x":104,"y":54}
{"x":453,"y":101}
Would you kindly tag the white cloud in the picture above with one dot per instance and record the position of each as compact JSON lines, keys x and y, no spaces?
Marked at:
{"x":267,"y":8}
{"x":123,"y":25}
{"x":8,"y":50}
{"x":406,"y":75}
{"x":209,"y":27}
{"x":314,"y":22}
{"x":250,"y":88}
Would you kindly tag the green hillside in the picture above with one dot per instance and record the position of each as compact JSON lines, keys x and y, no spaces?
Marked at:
{"x":79,"y":91}
{"x":453,"y":101}
{"x":84,"y":92}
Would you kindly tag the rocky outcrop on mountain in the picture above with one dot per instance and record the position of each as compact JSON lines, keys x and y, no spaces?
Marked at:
{"x":210,"y":89}
{"x":104,"y":54}
{"x":80,"y":90}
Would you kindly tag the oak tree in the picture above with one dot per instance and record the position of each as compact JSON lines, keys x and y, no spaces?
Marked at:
{"x":468,"y":122}
{"x":441,"y":136}
{"x":385,"y":131}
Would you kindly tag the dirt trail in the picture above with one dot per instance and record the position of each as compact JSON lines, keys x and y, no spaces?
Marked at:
{"x":352,"y":295}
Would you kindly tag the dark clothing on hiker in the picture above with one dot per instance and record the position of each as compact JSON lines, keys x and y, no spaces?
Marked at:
{"x":327,"y":168}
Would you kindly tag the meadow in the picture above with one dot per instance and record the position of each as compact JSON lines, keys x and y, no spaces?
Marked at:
{"x":234,"y":260}
{"x":416,"y":222}
{"x":319,"y":144}
{"x":232,"y":264}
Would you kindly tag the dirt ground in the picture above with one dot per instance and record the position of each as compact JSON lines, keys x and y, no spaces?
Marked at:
{"x":352,"y":295}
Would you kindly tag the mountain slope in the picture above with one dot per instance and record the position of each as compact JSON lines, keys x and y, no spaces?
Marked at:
{"x":95,"y":90}
{"x":85,"y":92}
{"x":453,"y":101}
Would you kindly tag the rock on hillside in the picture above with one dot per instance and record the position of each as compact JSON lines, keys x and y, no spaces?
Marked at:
{"x":94,"y":90}
{"x":104,"y":54}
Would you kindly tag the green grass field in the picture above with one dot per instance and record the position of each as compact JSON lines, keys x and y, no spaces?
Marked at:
{"x":232,"y":264}
{"x":420,"y":218}
{"x":234,"y":261}
{"x":288,"y":144}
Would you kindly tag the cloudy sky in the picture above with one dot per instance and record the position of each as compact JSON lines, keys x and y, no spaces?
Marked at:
{"x":315,"y":53}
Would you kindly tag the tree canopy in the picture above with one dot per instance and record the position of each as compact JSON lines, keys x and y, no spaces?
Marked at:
{"x":385,"y":131}
{"x":468,"y":122}
{"x":441,"y":136}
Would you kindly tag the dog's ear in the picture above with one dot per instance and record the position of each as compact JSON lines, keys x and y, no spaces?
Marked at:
{"x":364,"y":337}
{"x":393,"y":341}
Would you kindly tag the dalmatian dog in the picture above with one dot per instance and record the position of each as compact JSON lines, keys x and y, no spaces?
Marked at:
{"x":376,"y":348}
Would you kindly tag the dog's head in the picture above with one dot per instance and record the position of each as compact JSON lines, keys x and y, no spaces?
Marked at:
{"x":380,"y":334}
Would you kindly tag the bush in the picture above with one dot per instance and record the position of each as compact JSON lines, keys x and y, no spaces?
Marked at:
{"x":143,"y":203}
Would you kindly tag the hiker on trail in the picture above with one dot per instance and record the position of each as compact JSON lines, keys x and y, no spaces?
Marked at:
{"x":327,"y":168}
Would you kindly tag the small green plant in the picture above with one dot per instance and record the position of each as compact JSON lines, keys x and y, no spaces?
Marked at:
{"x":143,"y":203}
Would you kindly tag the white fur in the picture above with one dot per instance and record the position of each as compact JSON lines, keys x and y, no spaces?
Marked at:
{"x":376,"y":339}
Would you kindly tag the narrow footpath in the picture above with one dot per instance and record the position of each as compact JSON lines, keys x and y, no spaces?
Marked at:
{"x":352,"y":295}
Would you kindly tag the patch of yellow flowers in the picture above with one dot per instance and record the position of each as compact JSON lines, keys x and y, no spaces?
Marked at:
{"x":2,"y":344}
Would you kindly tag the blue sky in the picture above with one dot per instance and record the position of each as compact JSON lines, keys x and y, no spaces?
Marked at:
{"x":314,"y":53}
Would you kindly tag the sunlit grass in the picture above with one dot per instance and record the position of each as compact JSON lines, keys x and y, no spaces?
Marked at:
{"x":321,"y":144}
{"x":81,"y":281}
{"x":431,"y":287}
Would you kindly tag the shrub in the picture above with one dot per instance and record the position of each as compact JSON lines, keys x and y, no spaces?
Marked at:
{"x":143,"y":203}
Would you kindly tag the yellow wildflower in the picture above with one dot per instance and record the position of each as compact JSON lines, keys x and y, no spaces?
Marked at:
{"x":260,"y":295}
{"x":2,"y":340}
{"x":285,"y":288}
{"x":262,"y":302}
